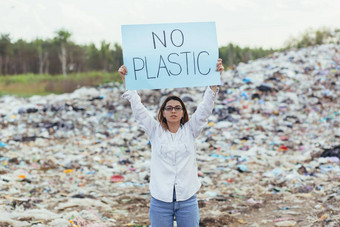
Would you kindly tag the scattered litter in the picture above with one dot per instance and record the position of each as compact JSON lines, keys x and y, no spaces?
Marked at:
{"x":269,"y":151}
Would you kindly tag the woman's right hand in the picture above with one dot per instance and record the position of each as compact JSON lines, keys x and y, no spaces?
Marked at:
{"x":122,"y":72}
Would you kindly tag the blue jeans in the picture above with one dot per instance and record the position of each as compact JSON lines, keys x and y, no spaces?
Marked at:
{"x":186,"y":212}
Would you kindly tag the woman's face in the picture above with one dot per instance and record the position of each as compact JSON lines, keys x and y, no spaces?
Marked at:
{"x":173,"y":111}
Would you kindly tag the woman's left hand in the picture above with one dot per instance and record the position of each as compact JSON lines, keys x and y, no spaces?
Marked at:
{"x":219,"y":67}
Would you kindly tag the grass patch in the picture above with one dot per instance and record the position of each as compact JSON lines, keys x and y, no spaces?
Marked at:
{"x":36,"y":84}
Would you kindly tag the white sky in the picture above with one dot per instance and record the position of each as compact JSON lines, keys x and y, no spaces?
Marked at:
{"x":253,"y":23}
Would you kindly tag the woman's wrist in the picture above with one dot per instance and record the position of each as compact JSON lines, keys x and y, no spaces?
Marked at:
{"x":214,"y":88}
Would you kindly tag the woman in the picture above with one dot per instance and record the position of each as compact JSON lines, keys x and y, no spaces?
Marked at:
{"x":174,"y":180}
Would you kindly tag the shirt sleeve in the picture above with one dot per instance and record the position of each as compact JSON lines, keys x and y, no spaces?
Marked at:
{"x":200,"y":118}
{"x":140,"y":113}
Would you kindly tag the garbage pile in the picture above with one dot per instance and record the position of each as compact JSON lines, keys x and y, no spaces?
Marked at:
{"x":269,"y":156}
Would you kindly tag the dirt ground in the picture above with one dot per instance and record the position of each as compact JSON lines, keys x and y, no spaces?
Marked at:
{"x":282,"y":209}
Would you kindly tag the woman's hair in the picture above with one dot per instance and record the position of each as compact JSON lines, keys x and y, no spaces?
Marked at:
{"x":162,"y":119}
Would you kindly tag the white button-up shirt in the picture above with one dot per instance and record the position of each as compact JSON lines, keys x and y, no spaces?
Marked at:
{"x":173,"y":161}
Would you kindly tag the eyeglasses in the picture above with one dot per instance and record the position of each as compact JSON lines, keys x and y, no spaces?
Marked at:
{"x":171,"y":108}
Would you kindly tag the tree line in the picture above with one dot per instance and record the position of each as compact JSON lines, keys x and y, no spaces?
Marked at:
{"x":312,"y":37}
{"x":56,"y":56}
{"x":60,"y":55}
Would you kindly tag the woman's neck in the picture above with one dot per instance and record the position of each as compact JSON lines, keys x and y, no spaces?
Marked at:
{"x":173,"y":127}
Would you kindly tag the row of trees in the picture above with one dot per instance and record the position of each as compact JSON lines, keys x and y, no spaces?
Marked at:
{"x":233,"y":54}
{"x":312,"y":37}
{"x":56,"y":56}
{"x":61,"y":55}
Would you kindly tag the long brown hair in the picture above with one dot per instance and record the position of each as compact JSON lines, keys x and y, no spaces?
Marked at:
{"x":162,"y":119}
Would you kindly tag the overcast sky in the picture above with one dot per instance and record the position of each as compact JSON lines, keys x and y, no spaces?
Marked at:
{"x":253,"y":23}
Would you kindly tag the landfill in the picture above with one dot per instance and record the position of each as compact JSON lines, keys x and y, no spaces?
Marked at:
{"x":269,"y":155}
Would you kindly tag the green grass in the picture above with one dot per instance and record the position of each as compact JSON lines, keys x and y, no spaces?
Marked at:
{"x":35,"y":84}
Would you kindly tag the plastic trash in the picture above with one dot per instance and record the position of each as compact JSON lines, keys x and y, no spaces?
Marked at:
{"x":117,"y":178}
{"x":272,"y":139}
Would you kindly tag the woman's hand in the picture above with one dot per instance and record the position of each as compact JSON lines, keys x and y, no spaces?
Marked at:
{"x":122,"y":72}
{"x":219,"y":67}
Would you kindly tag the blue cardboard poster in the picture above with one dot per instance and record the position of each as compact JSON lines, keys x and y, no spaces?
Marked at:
{"x":170,"y":55}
